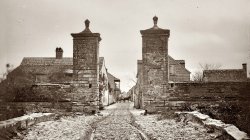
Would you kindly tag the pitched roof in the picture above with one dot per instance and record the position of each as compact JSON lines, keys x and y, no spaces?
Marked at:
{"x":111,"y":80}
{"x":50,"y":61}
{"x":112,"y":77}
{"x":172,"y":60}
{"x":47,"y":61}
{"x":180,"y":61}
{"x":177,"y":62}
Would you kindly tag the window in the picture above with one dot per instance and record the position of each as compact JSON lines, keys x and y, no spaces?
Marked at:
{"x":171,"y":70}
{"x":172,"y":85}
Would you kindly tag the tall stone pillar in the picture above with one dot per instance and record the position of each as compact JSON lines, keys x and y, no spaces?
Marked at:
{"x":86,"y":68}
{"x":155,"y":62}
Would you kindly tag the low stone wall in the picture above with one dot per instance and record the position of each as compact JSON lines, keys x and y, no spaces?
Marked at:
{"x":15,"y":109}
{"x":211,"y":90}
{"x":227,"y":101}
{"x":201,"y":93}
{"x":25,"y":121}
{"x":49,"y":93}
{"x":229,"y":131}
{"x":9,"y":128}
{"x":42,"y":98}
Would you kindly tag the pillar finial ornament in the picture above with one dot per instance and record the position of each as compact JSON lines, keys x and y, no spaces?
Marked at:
{"x":155,"y":19}
{"x":87,"y":26}
{"x":87,"y":23}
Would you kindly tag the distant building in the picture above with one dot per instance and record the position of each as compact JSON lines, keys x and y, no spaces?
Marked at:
{"x":178,"y":71}
{"x":49,"y":69}
{"x":59,"y":70}
{"x":107,"y":85}
{"x":226,"y":75}
{"x":114,"y":90}
{"x":103,"y":82}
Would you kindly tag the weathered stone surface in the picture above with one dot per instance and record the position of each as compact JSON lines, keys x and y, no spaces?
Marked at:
{"x":86,"y":66}
{"x":8,"y":128}
{"x":224,"y":131}
{"x":200,"y":94}
{"x":118,"y":125}
{"x":212,"y":90}
{"x":155,"y":61}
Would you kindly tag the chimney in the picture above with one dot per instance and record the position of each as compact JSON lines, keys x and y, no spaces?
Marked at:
{"x":59,"y":53}
{"x":183,"y":63}
{"x":244,"y":67}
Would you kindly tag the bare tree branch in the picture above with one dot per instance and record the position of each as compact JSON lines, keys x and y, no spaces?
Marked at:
{"x":198,"y":75}
{"x":207,"y":66}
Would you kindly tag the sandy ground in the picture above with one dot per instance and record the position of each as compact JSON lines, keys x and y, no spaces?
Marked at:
{"x":119,"y":121}
{"x":169,"y":129}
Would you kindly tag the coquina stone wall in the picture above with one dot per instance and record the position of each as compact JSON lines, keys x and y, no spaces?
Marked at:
{"x":201,"y":93}
{"x":238,"y":75}
{"x":42,"y":98}
{"x":154,"y":61}
{"x":86,"y":68}
{"x":10,"y":110}
{"x":211,"y":90}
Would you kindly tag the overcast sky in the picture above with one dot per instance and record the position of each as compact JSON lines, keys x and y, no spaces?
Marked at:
{"x":201,"y":31}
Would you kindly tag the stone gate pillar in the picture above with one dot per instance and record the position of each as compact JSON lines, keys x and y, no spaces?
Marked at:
{"x":155,"y":62}
{"x":86,"y":68}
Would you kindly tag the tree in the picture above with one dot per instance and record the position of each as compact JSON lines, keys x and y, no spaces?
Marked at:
{"x":209,"y":66}
{"x":17,"y":85}
{"x":9,"y":68}
{"x":198,"y":75}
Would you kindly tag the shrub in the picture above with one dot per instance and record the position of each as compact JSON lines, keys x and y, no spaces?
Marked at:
{"x":167,"y":114}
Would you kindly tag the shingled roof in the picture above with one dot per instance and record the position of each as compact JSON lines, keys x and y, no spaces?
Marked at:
{"x":180,"y":61}
{"x":48,"y":61}
{"x":177,"y":62}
